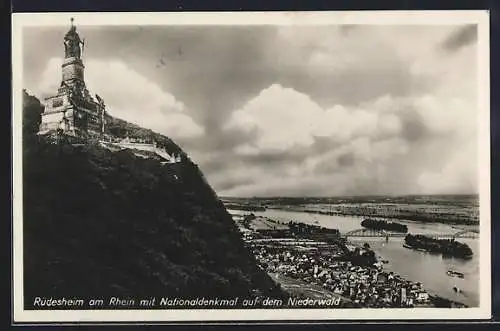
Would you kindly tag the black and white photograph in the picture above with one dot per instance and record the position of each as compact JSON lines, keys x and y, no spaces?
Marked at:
{"x":173,"y":167}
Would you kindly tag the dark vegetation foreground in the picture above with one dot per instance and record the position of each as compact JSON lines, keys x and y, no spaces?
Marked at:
{"x":99,"y":223}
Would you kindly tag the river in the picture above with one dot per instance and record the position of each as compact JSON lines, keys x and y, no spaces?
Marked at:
{"x":429,"y":269}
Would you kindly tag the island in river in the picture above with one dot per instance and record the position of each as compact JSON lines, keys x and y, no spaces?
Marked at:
{"x":384,"y":225}
{"x":448,"y":247}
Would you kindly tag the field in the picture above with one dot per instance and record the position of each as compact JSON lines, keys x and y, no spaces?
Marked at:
{"x":451,"y":209}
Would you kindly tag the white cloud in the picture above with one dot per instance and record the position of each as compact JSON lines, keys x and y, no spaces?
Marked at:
{"x":285,"y":118}
{"x":368,"y":145}
{"x":282,"y":116}
{"x":129,"y":96}
{"x":447,"y":115}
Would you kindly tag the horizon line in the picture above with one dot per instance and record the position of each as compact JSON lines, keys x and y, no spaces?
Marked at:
{"x":349,"y":196}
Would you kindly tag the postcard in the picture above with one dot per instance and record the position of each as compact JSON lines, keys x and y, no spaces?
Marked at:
{"x":251,"y":167}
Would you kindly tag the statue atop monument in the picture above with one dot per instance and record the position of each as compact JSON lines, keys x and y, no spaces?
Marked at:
{"x":72,"y":43}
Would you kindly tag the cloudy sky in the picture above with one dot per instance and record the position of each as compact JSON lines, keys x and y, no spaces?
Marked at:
{"x":290,"y":111}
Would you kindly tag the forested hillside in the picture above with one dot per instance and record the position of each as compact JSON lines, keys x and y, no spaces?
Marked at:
{"x":101,"y":223}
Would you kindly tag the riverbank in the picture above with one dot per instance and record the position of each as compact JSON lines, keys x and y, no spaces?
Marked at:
{"x":390,"y":214}
{"x":445,"y":209}
{"x":436,"y":300}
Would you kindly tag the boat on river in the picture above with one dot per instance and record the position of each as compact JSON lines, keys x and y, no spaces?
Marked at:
{"x":453,"y":273}
{"x":415,"y":248}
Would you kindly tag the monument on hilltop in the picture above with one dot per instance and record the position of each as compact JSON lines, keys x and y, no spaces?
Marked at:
{"x":72,"y":110}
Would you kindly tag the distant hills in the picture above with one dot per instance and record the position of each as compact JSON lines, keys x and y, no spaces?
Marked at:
{"x":424,"y":198}
{"x":102,"y":223}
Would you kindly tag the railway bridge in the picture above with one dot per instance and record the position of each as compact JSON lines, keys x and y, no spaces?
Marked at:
{"x":466,"y":234}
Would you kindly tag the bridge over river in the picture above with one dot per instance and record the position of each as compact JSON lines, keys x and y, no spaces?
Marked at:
{"x":466,"y":234}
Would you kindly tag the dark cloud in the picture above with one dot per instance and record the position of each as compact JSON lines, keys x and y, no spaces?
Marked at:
{"x":229,"y":183}
{"x":276,"y":159}
{"x":346,"y":160}
{"x":414,"y":127}
{"x":463,"y":36}
{"x":351,"y":86}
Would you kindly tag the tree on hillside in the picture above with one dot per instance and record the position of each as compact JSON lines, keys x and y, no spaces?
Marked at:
{"x":32,"y":117}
